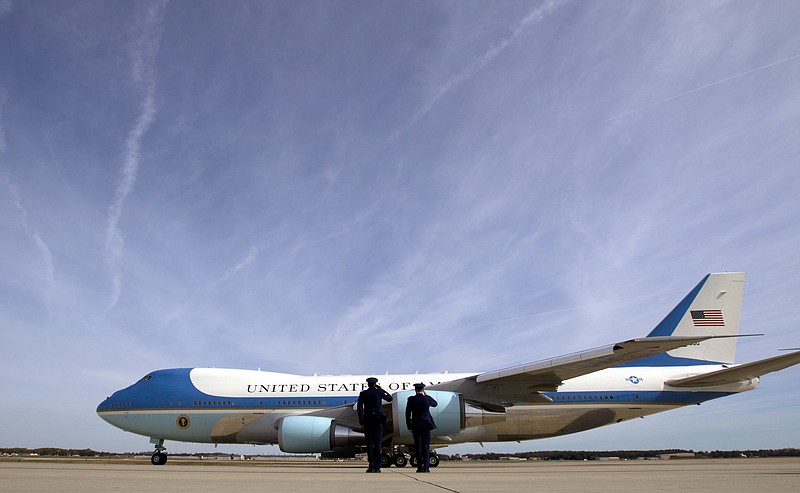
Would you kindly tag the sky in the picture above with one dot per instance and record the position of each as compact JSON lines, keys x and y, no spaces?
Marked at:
{"x":368,"y":187}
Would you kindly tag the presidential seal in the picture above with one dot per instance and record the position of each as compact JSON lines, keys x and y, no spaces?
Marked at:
{"x":182,"y":421}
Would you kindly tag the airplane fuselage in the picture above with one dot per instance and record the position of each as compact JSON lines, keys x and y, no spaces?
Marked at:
{"x":210,"y":405}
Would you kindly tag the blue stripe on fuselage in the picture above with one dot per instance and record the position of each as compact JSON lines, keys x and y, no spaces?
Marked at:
{"x":665,"y":359}
{"x":629,"y":397}
{"x":173,"y":389}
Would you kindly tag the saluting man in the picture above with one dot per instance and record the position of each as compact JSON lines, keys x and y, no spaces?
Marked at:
{"x":420,"y":422}
{"x":372,"y":418}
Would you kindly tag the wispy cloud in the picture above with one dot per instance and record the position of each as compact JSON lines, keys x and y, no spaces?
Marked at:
{"x":190,"y":302}
{"x":36,"y":238}
{"x":534,"y":17}
{"x":3,"y":97}
{"x":32,"y":233}
{"x":145,"y":49}
{"x":252,"y":254}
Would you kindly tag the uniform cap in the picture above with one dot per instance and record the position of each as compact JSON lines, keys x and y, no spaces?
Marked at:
{"x":419,"y":385}
{"x":372,"y":380}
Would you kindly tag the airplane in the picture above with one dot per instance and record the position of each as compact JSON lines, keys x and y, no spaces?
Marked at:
{"x":688,"y":358}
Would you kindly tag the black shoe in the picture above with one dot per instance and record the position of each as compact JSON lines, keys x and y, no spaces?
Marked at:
{"x":370,"y":470}
{"x":377,"y":470}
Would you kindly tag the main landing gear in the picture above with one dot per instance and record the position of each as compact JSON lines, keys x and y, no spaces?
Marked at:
{"x":159,"y":458}
{"x":433,"y":460}
{"x":399,"y":458}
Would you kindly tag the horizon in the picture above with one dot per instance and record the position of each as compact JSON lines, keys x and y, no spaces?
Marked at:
{"x":147,"y":453}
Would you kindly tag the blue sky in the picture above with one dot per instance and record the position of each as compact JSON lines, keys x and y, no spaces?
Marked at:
{"x":362,"y":187}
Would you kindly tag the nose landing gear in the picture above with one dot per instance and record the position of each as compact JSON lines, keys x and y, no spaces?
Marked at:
{"x":159,"y":458}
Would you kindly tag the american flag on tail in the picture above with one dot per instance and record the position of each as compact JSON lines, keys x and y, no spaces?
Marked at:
{"x":707,"y":318}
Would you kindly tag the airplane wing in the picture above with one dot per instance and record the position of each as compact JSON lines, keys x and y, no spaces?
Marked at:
{"x":739,"y":373}
{"x":526,"y":382}
{"x":347,"y":415}
{"x":344,"y":415}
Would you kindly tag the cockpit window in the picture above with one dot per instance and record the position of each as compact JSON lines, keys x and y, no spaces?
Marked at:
{"x":147,"y":377}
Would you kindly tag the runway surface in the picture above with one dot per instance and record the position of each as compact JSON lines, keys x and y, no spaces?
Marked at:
{"x":730,"y":475}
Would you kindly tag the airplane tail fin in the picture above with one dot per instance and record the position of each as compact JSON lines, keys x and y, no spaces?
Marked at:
{"x":713,"y":307}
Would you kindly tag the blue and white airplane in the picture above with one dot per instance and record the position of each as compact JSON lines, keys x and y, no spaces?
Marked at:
{"x":688,"y":358}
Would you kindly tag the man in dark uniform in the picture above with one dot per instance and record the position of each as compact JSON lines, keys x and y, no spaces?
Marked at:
{"x":420,"y":422}
{"x":372,"y":418}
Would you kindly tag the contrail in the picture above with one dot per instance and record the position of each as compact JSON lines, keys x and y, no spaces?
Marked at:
{"x":534,"y":17}
{"x":145,"y":49}
{"x":251,"y":256}
{"x":33,"y":234}
{"x":702,"y":87}
{"x":30,"y":231}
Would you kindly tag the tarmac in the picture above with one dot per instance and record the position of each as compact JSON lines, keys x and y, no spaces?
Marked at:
{"x":690,"y":475}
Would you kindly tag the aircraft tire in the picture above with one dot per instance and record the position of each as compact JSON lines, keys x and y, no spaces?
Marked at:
{"x":434,"y":460}
{"x":386,"y":460}
{"x":158,"y":459}
{"x":400,"y":460}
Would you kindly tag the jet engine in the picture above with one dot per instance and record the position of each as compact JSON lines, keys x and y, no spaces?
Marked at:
{"x":313,"y":434}
{"x":449,"y":415}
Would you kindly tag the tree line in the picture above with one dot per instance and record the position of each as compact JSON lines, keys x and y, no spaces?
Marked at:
{"x":545,"y":455}
{"x":624,"y":454}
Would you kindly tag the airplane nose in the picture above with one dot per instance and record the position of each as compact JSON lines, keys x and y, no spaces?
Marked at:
{"x":104,"y":406}
{"x":116,"y":402}
{"x":108,"y":410}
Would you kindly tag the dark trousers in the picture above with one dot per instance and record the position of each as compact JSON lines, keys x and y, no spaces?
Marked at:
{"x":373,"y":432}
{"x":422,"y":445}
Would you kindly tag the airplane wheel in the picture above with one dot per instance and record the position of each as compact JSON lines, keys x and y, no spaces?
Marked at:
{"x":434,"y":460}
{"x":386,"y":460}
{"x":413,"y":461}
{"x":158,"y":459}
{"x":400,"y":460}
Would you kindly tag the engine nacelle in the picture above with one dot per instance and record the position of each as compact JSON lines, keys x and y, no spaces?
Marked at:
{"x":305,"y":434}
{"x":449,"y":415}
{"x":313,"y":434}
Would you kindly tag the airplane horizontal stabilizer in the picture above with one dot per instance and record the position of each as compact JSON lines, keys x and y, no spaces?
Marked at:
{"x":739,"y":373}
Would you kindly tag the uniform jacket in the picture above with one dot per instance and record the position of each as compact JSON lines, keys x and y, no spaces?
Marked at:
{"x":418,"y":414}
{"x":370,"y":405}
